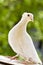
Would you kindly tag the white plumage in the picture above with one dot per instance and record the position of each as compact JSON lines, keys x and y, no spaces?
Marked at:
{"x":20,"y":40}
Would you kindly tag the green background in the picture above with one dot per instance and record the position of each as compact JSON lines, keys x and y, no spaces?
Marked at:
{"x":11,"y":12}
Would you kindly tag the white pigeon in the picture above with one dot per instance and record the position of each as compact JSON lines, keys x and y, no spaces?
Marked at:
{"x":21,"y":42}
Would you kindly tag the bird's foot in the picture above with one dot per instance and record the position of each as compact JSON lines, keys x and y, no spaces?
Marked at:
{"x":30,"y":61}
{"x":14,"y":57}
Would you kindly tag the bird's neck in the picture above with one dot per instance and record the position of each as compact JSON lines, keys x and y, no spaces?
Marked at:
{"x":23,"y":24}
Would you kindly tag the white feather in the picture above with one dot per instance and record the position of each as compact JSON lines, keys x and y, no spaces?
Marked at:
{"x":20,"y":40}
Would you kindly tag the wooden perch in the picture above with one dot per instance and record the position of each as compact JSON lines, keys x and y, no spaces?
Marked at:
{"x":7,"y":61}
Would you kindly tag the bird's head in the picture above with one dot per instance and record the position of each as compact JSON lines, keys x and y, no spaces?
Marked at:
{"x":27,"y":16}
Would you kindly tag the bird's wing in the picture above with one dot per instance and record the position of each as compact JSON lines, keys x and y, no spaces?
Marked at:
{"x":29,"y":50}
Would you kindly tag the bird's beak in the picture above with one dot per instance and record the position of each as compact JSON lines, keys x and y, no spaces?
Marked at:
{"x":31,"y":18}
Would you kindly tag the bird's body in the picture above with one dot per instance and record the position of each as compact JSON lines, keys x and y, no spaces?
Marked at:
{"x":21,"y":42}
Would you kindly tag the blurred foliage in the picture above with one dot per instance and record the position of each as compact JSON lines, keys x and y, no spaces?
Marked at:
{"x":10,"y":14}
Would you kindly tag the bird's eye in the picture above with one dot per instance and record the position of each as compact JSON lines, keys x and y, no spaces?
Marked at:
{"x":28,"y":15}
